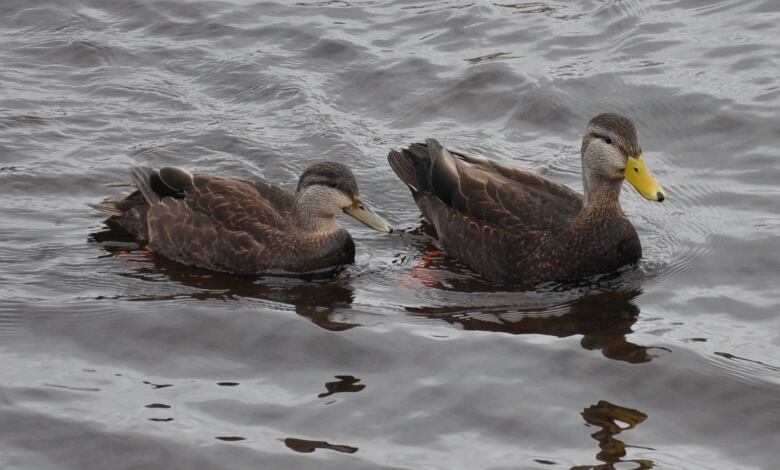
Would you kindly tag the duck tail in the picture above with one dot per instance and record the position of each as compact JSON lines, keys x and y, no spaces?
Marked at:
{"x":403,"y":166}
{"x":108,"y":206}
{"x":140,"y":175}
{"x":129,"y":212}
{"x":413,"y":165}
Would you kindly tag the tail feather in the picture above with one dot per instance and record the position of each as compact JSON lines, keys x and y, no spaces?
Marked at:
{"x":140,"y":176}
{"x":413,"y":165}
{"x":403,"y":166}
{"x":108,"y":206}
{"x":129,"y":212}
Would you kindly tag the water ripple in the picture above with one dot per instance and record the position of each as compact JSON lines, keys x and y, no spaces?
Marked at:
{"x":297,"y":374}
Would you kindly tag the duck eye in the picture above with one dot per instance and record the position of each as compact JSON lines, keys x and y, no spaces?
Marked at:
{"x":331,"y":184}
{"x":608,"y":140}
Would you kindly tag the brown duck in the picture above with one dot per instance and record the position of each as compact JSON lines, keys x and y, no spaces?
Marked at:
{"x":518,"y":227}
{"x":241,"y":226}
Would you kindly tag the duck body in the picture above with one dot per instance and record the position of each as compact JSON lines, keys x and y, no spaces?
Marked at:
{"x":514,"y":226}
{"x":240,"y":226}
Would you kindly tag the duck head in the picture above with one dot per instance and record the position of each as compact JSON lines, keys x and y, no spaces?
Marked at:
{"x":610,"y":155}
{"x":327,"y":189}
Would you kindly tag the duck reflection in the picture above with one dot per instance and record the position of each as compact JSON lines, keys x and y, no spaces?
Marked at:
{"x":603,"y":319}
{"x":613,"y":419}
{"x":316,"y":298}
{"x":603,"y":314}
{"x":343,"y":384}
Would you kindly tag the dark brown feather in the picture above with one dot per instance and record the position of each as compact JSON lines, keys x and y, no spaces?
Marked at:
{"x":513,"y":226}
{"x":224,"y":224}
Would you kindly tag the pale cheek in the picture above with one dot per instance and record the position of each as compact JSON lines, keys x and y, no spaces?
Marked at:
{"x":345,"y":201}
{"x":335,"y":202}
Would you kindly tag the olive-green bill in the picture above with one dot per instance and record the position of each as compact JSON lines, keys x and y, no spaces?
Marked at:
{"x":368,"y":218}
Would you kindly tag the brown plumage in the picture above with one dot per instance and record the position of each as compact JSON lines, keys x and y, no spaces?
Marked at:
{"x":518,"y":227}
{"x":241,"y":226}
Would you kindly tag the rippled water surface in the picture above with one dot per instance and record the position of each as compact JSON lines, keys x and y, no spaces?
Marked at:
{"x":112,"y":358}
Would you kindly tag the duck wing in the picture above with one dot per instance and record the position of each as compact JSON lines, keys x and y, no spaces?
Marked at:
{"x":216,"y":222}
{"x":239,"y":204}
{"x":486,"y":191}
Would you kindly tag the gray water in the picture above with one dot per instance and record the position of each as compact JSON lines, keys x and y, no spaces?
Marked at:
{"x":114,"y":358}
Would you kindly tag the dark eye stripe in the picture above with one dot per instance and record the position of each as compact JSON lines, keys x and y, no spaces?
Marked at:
{"x":330,"y":184}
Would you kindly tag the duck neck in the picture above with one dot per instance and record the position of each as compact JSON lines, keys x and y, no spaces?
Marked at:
{"x":601,"y":194}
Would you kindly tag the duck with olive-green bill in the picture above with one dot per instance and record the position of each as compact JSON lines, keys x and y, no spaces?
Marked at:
{"x":518,"y":227}
{"x":241,"y":226}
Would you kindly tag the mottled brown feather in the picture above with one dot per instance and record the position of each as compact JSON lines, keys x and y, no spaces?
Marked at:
{"x":225,"y":224}
{"x":513,"y":226}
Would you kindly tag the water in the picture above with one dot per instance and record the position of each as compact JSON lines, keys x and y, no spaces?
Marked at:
{"x":111,"y":358}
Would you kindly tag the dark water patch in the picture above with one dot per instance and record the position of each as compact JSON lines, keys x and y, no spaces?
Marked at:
{"x":157,"y":386}
{"x":545,"y":462}
{"x":490,"y":57}
{"x":306,"y":446}
{"x":338,"y":52}
{"x":158,"y":405}
{"x":344,"y":384}
{"x":604,"y":320}
{"x":230,"y":438}
{"x":527,"y":7}
{"x":613,"y":420}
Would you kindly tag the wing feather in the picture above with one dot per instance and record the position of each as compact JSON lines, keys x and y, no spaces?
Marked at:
{"x":223,"y":224}
{"x":501,"y":195}
{"x":239,"y":204}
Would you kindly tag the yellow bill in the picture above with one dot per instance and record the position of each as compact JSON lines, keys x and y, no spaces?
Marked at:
{"x":368,"y":218}
{"x":640,"y":178}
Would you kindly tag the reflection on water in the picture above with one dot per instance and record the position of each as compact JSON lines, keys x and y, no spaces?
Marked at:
{"x":604,"y":318}
{"x":305,"y":446}
{"x":315,"y":299}
{"x":260,"y":90}
{"x":603,"y":312}
{"x":613,"y":419}
{"x":344,"y":384}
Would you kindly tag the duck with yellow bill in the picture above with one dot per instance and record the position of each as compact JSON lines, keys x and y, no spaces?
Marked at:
{"x":518,"y":227}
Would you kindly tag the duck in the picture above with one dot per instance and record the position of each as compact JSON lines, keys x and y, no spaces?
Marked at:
{"x":517,"y":227}
{"x":241,"y":226}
